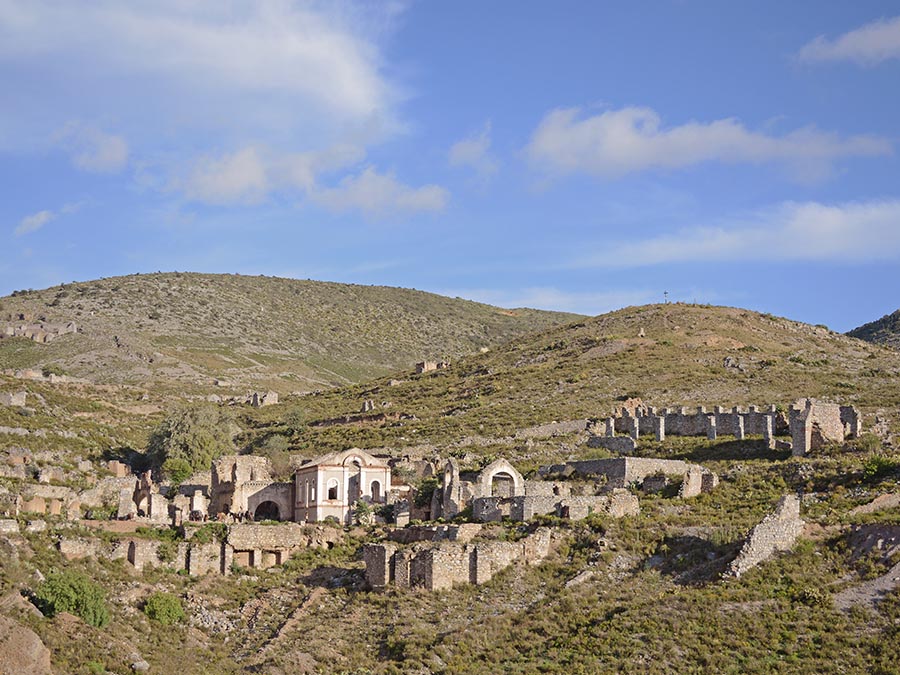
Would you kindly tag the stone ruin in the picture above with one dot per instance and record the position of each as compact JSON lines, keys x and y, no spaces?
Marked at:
{"x":245,"y":545}
{"x":13,"y":398}
{"x":650,"y":473}
{"x":810,"y":423}
{"x":776,"y":532}
{"x":41,"y":332}
{"x":447,"y":562}
{"x":815,"y":424}
{"x":427,"y":366}
{"x":260,"y":399}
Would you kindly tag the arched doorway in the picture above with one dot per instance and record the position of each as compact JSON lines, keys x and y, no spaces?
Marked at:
{"x":267,"y":511}
{"x":502,"y":485}
{"x":376,"y":491}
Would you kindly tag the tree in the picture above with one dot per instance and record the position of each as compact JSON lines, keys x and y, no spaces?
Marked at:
{"x":73,"y":592}
{"x":164,"y":608}
{"x":191,"y":437}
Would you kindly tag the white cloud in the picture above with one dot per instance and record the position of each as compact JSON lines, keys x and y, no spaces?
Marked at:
{"x":618,"y":142}
{"x":381,"y":194}
{"x":853,"y":232}
{"x":249,"y":175}
{"x":94,"y":150}
{"x":547,"y":297}
{"x":234,"y":178}
{"x":867,"y":45}
{"x":33,"y":222}
{"x":276,"y":67}
{"x":474,"y":152}
{"x":37,"y":220}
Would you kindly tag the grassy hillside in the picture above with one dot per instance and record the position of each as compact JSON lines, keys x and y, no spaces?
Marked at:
{"x":885,"y":331}
{"x":688,"y":355}
{"x":648,"y":597}
{"x":189,"y":329}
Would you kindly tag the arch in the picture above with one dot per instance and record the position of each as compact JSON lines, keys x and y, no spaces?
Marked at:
{"x":267,"y":510}
{"x":333,"y":489}
{"x":507,"y":473}
{"x":376,"y":491}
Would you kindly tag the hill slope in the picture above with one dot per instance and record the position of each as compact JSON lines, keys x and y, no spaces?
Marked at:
{"x":688,"y":355}
{"x":253,"y":331}
{"x":885,"y":331}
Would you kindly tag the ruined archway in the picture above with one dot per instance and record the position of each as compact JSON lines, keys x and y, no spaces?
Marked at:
{"x":509,"y":482}
{"x":267,"y":511}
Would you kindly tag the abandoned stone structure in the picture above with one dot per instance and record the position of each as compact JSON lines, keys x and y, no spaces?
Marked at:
{"x":242,"y":484}
{"x":649,"y":473}
{"x":13,"y":398}
{"x":545,"y":498}
{"x":328,"y":487}
{"x":38,"y":332}
{"x":443,"y":564}
{"x":427,"y":366}
{"x":245,"y":545}
{"x":458,"y":490}
{"x":776,"y":532}
{"x":815,"y":424}
{"x":261,"y":399}
{"x":810,"y":423}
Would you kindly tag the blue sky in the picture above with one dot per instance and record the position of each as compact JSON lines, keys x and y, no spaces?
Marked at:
{"x":580,"y":156}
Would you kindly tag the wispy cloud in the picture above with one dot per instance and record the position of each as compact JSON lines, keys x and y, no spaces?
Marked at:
{"x":853,"y":232}
{"x":35,"y":221}
{"x":474,"y":152}
{"x":548,"y":297}
{"x":632,"y":139}
{"x":94,"y":150}
{"x":867,"y":45}
{"x":251,"y":174}
{"x":381,"y":194}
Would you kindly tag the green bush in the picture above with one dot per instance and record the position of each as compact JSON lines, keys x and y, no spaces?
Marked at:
{"x":164,"y":608}
{"x":73,"y":592}
{"x":195,"y":435}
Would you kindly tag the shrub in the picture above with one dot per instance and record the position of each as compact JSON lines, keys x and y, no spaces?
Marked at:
{"x":878,"y":466}
{"x":194,"y":434}
{"x":164,"y":608}
{"x":73,"y":592}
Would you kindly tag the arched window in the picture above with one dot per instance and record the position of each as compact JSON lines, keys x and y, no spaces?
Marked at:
{"x":332,"y":489}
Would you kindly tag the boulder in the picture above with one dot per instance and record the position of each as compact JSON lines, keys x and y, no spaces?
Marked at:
{"x":21,"y":650}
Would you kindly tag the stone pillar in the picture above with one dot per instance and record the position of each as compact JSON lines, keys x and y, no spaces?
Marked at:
{"x":769,"y":431}
{"x":660,"y":428}
{"x":739,"y":427}
{"x":635,"y":430}
{"x":610,"y":426}
{"x":711,"y":427}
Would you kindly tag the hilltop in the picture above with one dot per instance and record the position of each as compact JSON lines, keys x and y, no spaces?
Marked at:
{"x":186,"y":330}
{"x":885,"y":331}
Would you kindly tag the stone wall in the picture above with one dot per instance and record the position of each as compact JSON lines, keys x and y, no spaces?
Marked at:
{"x":776,"y":532}
{"x":616,"y":504}
{"x":815,"y":424}
{"x":447,"y":563}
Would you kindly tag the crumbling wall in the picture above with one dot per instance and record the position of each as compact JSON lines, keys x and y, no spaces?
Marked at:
{"x":776,"y":532}
{"x":447,"y":563}
{"x":815,"y":424}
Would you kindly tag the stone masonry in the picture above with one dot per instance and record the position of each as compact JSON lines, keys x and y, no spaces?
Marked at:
{"x":441,"y":565}
{"x":776,"y":532}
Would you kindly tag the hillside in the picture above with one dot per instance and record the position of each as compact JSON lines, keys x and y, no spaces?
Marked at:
{"x":884,"y":331}
{"x":641,"y":594}
{"x":184,"y":331}
{"x":689,"y":355}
